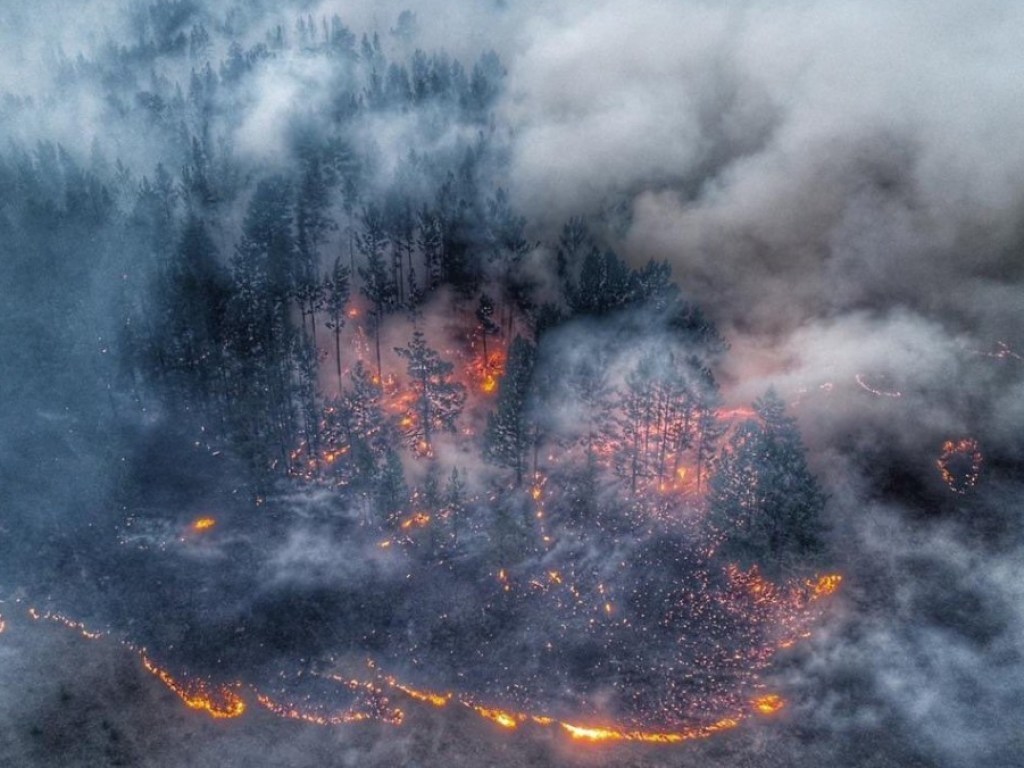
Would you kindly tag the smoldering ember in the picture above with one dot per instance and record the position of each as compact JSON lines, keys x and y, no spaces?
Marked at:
{"x":511,"y":383}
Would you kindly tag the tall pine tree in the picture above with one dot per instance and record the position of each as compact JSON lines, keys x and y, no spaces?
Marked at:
{"x":763,"y":500}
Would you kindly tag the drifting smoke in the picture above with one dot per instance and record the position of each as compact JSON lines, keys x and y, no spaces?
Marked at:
{"x":838,"y":189}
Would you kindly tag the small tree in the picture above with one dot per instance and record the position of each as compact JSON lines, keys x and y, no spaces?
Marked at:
{"x":337,"y":289}
{"x":507,"y":436}
{"x":377,"y":284}
{"x":485,"y":318}
{"x":438,"y":400}
{"x":455,"y":505}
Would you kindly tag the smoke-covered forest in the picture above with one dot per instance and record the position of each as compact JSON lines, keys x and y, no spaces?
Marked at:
{"x":510,"y":385}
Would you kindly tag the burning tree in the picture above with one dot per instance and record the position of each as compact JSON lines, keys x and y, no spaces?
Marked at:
{"x":438,"y":400}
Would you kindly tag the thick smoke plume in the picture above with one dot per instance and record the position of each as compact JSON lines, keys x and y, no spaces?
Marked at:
{"x":837,"y":194}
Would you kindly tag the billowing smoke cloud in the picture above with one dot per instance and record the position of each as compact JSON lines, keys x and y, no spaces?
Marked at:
{"x":838,"y":187}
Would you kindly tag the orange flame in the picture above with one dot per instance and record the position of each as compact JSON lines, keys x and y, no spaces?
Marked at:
{"x":221,"y":702}
{"x":769,"y":704}
{"x":503,"y":718}
{"x":825,"y":585}
{"x":418,"y":520}
{"x":203,"y":524}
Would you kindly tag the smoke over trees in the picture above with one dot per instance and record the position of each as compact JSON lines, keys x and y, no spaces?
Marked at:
{"x":535,"y":370}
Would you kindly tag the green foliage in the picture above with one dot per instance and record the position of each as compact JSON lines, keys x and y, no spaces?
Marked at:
{"x":439,"y":400}
{"x":507,"y":437}
{"x":763,"y":499}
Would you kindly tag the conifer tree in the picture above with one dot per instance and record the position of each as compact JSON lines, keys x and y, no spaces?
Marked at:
{"x":507,"y":437}
{"x":763,"y":500}
{"x":336,"y":294}
{"x":438,"y":401}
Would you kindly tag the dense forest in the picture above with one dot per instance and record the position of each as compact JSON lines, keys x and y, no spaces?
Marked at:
{"x":324,"y":418}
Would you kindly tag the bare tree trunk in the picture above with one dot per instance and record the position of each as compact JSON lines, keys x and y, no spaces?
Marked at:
{"x":337,"y":352}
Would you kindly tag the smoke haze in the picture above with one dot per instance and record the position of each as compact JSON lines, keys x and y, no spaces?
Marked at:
{"x":839,"y":189}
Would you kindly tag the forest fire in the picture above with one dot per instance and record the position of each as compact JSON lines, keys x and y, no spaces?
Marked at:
{"x":221,"y":702}
{"x":226,"y":702}
{"x":510,"y":720}
{"x":826,"y":585}
{"x":485,"y":372}
{"x":438,"y":700}
{"x":201,"y":524}
{"x":418,"y":520}
{"x":960,"y":464}
{"x":769,"y":704}
{"x":71,"y":624}
{"x":598,"y":734}
{"x":313,"y":718}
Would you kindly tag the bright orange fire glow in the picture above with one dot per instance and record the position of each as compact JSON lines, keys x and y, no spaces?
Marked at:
{"x":485,"y":375}
{"x":203,"y":524}
{"x":505,"y":719}
{"x":599,"y":734}
{"x":221,"y":702}
{"x":769,"y":704}
{"x":434,"y":699}
{"x":826,"y":585}
{"x":417,"y":520}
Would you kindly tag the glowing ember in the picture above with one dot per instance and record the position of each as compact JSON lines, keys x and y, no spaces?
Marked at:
{"x":314,"y":718}
{"x":220,"y":702}
{"x":960,"y":464}
{"x":201,"y":524}
{"x":418,"y":520}
{"x":224,"y":701}
{"x":485,"y":374}
{"x":434,"y":699}
{"x":878,"y":390}
{"x":71,"y":624}
{"x":826,"y":584}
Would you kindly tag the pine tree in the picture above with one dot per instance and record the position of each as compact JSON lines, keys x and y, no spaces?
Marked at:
{"x":312,"y":226}
{"x":194,"y":299}
{"x":507,"y":437}
{"x":485,"y":319}
{"x":455,"y":506}
{"x":260,"y":339}
{"x":438,"y":401}
{"x":377,"y":284}
{"x":336,"y":294}
{"x":605,"y":284}
{"x":763,"y":500}
{"x":392,"y":491}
